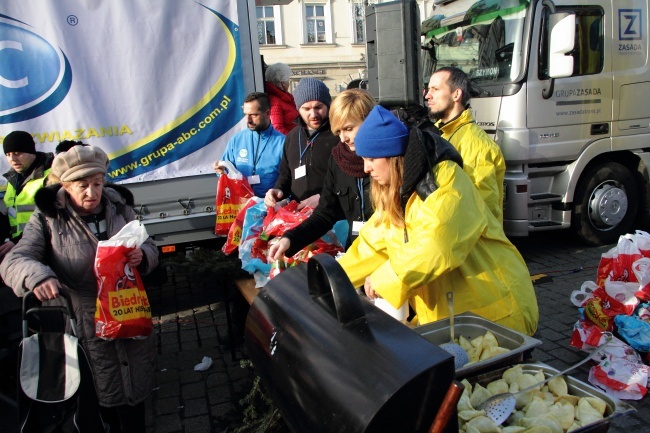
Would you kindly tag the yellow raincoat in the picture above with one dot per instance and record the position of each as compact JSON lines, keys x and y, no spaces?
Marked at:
{"x":482,"y":159}
{"x":454,"y":243}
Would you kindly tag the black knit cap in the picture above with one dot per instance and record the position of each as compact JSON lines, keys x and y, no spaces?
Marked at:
{"x":19,"y":141}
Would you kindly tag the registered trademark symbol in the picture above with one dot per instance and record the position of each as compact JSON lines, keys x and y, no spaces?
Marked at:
{"x":73,"y":20}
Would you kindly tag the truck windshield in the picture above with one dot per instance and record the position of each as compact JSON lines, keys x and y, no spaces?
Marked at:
{"x":483,"y":38}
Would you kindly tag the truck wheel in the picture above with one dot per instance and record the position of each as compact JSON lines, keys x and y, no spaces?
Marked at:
{"x":606,"y":203}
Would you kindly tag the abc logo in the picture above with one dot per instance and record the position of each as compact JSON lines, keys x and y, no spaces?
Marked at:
{"x":34,"y":75}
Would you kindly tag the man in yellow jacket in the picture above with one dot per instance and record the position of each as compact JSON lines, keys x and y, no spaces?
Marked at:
{"x":29,"y":169}
{"x":432,"y":233}
{"x":448,"y":100}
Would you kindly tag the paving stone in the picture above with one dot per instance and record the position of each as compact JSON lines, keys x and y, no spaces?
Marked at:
{"x":220,"y":378}
{"x":223,"y":409}
{"x":190,"y":376}
{"x":166,"y":390}
{"x":222,"y":394}
{"x":193,"y":390}
{"x":167,"y":405}
{"x":168,"y":424}
{"x":198,"y":424}
{"x":195,"y":407}
{"x":169,"y":347}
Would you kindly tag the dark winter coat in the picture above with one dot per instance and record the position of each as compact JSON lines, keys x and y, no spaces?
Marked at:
{"x":123,"y":370}
{"x":315,"y":158}
{"x":339,"y":199}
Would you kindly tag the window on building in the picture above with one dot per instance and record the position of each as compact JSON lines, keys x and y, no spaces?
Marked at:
{"x":268,"y":25}
{"x":317,"y":23}
{"x":588,"y":50}
{"x":358,"y":23}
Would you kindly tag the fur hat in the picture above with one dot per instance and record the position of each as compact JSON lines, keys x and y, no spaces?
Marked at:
{"x":278,"y":73}
{"x":381,"y":135}
{"x":19,"y":141}
{"x":79,"y":162}
{"x":311,"y":89}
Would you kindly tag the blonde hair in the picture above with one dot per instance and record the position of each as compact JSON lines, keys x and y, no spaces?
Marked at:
{"x":351,"y":105}
{"x":386,"y":200}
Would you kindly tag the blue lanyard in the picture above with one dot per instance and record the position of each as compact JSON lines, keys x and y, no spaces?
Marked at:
{"x":256,"y":156}
{"x":309,"y":143}
{"x":363,"y":207}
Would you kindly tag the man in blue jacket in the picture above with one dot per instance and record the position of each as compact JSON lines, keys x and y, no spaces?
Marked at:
{"x":257,"y":151}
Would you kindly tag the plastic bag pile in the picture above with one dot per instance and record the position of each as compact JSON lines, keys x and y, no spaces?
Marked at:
{"x":255,"y":229}
{"x":618,"y":301}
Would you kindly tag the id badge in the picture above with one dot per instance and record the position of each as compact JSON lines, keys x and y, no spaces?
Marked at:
{"x":254,"y":179}
{"x":356,"y":227}
{"x":301,"y":172}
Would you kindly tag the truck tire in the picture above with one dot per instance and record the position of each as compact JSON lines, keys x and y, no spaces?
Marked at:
{"x":606,"y":204}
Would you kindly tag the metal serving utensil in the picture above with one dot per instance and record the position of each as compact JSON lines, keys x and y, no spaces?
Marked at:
{"x":460,"y":355}
{"x":499,"y":407}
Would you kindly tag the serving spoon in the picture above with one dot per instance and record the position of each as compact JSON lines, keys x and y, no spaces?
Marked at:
{"x":460,"y":355}
{"x":499,"y":407}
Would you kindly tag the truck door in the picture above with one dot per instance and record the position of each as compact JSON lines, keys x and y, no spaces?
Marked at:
{"x":573,"y":174}
{"x":579,"y":109}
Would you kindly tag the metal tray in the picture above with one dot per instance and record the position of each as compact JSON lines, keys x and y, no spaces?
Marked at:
{"x":471,"y":326}
{"x":615,"y":407}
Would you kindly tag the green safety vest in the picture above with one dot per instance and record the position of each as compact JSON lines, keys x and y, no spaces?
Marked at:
{"x":21,"y":207}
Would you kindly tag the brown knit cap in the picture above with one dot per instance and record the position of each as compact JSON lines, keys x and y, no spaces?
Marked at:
{"x":79,"y":162}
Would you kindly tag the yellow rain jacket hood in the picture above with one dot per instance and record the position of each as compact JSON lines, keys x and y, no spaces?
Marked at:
{"x":451,"y":242}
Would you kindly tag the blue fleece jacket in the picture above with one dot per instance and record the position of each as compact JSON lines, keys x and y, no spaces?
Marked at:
{"x":257,"y":153}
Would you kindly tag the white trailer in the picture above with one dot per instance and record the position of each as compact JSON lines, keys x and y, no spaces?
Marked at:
{"x":565,"y":92}
{"x":158,"y":85}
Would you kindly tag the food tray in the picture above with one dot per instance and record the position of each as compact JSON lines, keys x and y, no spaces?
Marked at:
{"x":615,"y":407}
{"x":471,"y":326}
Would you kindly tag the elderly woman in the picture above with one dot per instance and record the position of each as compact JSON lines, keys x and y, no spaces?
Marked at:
{"x":58,"y":249}
{"x":431,"y":232}
{"x":283,"y":107}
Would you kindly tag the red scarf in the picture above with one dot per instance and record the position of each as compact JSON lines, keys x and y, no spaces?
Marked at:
{"x":348,"y":161}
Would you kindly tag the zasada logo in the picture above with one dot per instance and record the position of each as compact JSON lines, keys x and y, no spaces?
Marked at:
{"x":630,"y":24}
{"x":35,"y":76}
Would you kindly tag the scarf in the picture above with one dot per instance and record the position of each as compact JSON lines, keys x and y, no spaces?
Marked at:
{"x":348,"y":161}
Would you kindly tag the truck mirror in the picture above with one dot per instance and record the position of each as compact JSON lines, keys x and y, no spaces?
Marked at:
{"x":562,"y":40}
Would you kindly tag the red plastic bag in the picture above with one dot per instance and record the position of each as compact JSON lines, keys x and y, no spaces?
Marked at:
{"x":233,"y":191}
{"x":234,"y":234}
{"x":123,"y":309}
{"x":619,"y":298}
{"x":278,"y":222}
{"x":287,"y":217}
{"x":616,"y":264}
{"x":621,"y":378}
{"x":586,"y":335}
{"x":641,"y":269}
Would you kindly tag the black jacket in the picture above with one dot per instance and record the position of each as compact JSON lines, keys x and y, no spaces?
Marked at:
{"x":339,"y":199}
{"x":315,"y":158}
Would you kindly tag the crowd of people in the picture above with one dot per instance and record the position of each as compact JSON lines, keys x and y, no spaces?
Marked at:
{"x":424,"y":212}
{"x":423,"y":204}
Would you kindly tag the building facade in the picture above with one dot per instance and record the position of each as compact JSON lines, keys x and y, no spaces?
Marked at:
{"x":322,"y":39}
